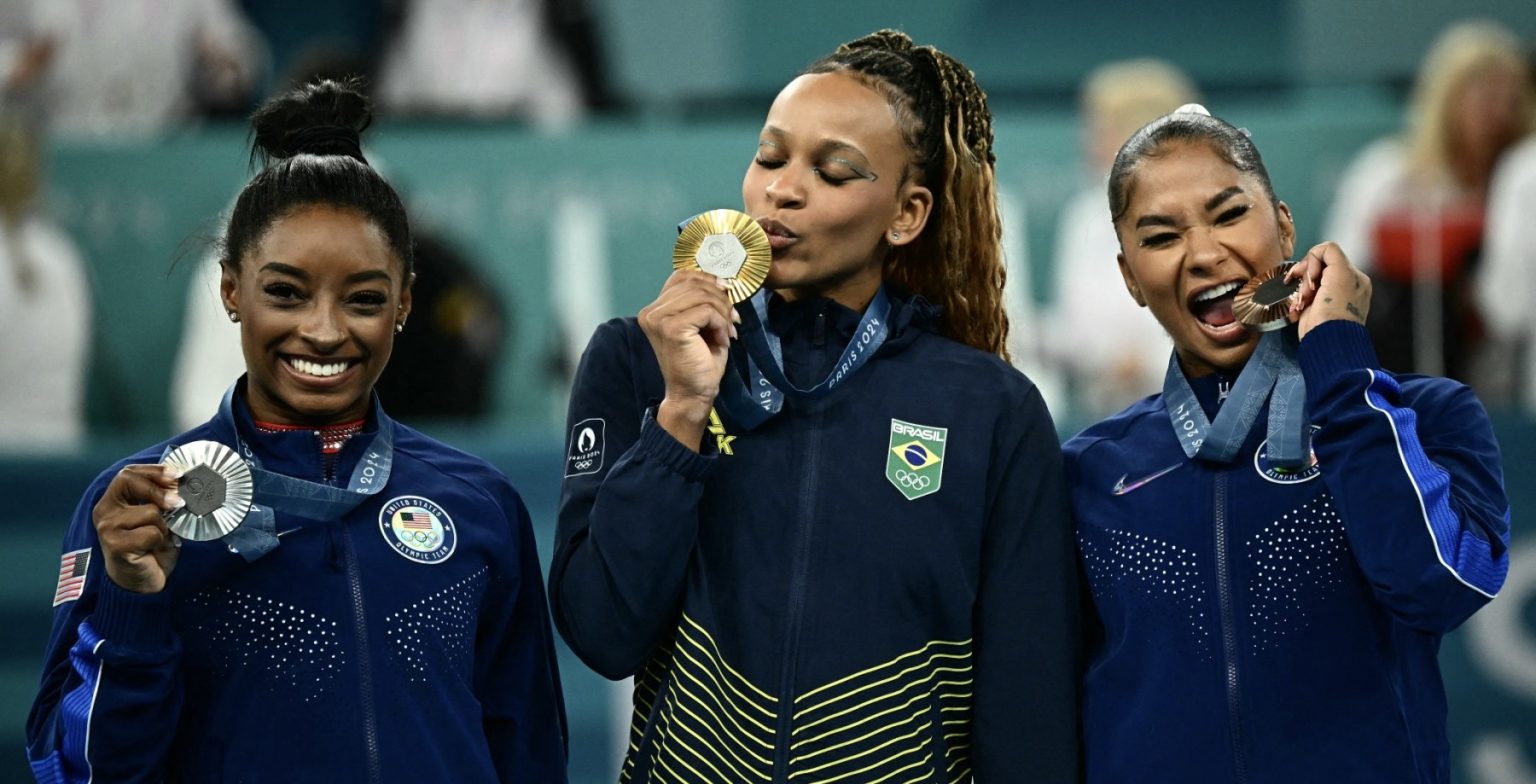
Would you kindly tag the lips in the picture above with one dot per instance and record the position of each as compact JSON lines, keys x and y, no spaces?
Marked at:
{"x":779,"y":235}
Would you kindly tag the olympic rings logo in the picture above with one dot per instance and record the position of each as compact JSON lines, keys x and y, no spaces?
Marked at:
{"x":912,"y":480}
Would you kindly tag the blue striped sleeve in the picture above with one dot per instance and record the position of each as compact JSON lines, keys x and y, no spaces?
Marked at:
{"x":1413,"y":468}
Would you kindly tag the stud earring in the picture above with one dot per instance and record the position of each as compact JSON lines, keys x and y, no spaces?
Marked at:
{"x":234,"y":318}
{"x":895,"y":235}
{"x":399,"y":327}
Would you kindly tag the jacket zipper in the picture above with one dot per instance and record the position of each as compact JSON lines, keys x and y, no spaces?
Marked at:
{"x":805,"y":517}
{"x":364,"y":658}
{"x":1229,"y":631}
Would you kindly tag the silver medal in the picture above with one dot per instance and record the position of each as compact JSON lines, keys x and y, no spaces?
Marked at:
{"x":217,"y":487}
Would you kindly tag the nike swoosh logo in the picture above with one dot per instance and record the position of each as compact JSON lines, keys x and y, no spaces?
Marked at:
{"x":1121,"y":487}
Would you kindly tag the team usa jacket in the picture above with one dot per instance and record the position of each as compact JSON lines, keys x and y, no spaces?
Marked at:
{"x":1262,"y":625}
{"x":351,"y":652}
{"x":874,"y":586}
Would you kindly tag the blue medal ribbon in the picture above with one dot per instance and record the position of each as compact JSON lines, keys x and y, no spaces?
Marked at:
{"x":1272,"y":374}
{"x":275,"y":492}
{"x":756,"y":396}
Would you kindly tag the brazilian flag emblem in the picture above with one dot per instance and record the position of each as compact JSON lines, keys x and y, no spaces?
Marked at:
{"x":914,"y":463}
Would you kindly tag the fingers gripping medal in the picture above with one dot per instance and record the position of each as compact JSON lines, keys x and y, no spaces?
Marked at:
{"x":729,"y":245}
{"x":216,"y":485}
{"x":1262,"y":302}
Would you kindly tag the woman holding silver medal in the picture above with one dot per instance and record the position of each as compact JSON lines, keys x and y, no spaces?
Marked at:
{"x":1276,"y":543}
{"x":825,"y":530}
{"x":288,"y":591}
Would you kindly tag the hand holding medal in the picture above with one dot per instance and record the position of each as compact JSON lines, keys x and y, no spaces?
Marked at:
{"x":1330,"y":288}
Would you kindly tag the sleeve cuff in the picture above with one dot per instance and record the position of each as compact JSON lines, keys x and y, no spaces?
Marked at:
{"x":1333,"y":348}
{"x":656,"y":442}
{"x":138,"y":622}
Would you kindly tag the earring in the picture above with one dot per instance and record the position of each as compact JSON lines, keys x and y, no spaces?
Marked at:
{"x":895,"y":236}
{"x":234,"y":318}
{"x":399,"y":327}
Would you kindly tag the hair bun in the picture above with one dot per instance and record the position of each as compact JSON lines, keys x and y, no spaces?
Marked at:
{"x":325,"y":117}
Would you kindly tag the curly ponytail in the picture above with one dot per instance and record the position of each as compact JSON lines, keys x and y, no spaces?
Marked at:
{"x":946,"y":124}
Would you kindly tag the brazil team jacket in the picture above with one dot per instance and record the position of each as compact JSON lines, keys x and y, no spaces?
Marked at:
{"x":344,"y":655}
{"x":1262,"y":625}
{"x":874,"y":586}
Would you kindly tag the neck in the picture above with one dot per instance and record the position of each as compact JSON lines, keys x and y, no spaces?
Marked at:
{"x":852,"y":295}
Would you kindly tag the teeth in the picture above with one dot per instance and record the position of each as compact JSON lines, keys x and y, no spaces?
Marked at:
{"x":1219,"y":291}
{"x":316,"y":369}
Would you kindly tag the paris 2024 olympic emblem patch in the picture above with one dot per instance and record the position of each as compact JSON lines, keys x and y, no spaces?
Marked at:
{"x":418,"y":529}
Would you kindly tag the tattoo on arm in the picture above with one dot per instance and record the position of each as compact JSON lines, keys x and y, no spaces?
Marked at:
{"x":1354,"y":311}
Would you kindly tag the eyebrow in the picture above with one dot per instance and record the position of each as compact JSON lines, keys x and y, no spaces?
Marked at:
{"x":1215,"y":201}
{"x":1210,"y":204}
{"x":356,"y":277}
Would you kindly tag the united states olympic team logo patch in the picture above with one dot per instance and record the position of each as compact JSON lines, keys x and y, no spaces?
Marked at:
{"x":418,"y":529}
{"x":1285,"y":476}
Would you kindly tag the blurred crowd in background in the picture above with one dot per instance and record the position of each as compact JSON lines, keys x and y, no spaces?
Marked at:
{"x":1439,"y":212}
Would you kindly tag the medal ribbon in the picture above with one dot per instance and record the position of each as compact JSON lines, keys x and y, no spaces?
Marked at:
{"x":1271,"y":374}
{"x":274,"y":492}
{"x":758,"y":397}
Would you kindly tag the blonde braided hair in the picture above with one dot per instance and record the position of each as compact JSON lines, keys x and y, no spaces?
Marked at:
{"x":957,"y":262}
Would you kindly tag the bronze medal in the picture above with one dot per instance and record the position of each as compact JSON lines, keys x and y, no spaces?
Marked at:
{"x":1262,"y":303}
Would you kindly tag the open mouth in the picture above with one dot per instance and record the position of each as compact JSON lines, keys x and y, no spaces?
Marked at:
{"x":305,"y":367}
{"x":1213,"y":306}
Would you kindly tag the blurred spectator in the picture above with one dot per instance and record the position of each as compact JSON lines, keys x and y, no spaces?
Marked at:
{"x":1410,"y":209}
{"x":45,"y":311}
{"x":443,"y":363}
{"x":1113,"y":358}
{"x":490,"y":58}
{"x":1507,"y":283}
{"x":126,"y":67}
{"x":330,"y":39}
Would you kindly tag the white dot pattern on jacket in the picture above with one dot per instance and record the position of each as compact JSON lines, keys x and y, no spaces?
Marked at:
{"x":288,"y":648}
{"x":438,"y":631}
{"x":1160,"y":577}
{"x":1297,"y":562}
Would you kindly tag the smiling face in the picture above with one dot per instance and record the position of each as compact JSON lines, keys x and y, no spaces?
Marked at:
{"x":318,"y":296}
{"x":1194,"y":230}
{"x":829,"y":183}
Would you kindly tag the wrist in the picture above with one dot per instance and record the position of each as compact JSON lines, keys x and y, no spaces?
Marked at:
{"x":685,"y":418}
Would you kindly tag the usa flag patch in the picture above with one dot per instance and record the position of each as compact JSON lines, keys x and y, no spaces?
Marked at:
{"x":72,"y":569}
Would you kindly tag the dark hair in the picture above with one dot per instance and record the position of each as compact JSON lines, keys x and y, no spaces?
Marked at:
{"x":958,"y":261}
{"x":307,"y":142}
{"x":1189,"y":124}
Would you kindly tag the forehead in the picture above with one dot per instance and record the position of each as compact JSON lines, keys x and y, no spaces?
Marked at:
{"x":1183,"y":174}
{"x":319,"y":237}
{"x":835,"y":106}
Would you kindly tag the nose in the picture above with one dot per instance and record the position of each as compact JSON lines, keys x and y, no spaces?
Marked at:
{"x":323,"y":328}
{"x":1206,"y":252}
{"x":786,"y":188}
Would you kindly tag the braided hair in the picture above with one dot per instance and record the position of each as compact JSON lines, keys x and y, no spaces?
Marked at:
{"x":947,"y":128}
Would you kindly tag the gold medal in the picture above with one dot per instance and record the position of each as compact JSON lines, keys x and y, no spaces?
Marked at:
{"x":729,"y":245}
{"x":217,"y":487}
{"x":1261,"y":304}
